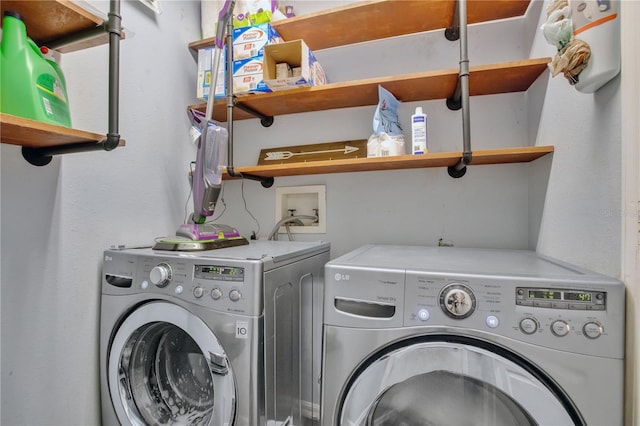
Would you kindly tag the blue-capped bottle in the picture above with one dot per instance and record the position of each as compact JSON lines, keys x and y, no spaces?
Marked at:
{"x":419,"y":132}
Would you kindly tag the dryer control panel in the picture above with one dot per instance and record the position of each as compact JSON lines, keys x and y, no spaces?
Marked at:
{"x":576,"y":319}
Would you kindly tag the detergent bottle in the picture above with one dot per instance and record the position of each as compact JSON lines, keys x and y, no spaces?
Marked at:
{"x":30,"y":85}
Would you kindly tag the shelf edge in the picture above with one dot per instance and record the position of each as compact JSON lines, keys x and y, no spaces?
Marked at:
{"x":440,"y":159}
{"x":22,"y":131}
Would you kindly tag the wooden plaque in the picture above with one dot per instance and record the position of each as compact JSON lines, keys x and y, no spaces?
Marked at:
{"x":314,"y":152}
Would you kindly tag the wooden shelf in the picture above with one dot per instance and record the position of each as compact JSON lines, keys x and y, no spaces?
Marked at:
{"x":377,"y":19}
{"x":49,"y":20}
{"x":483,"y":80}
{"x":438,"y":159}
{"x":35,"y":134}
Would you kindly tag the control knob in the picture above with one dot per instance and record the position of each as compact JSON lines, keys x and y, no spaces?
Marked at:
{"x":592,"y":330}
{"x":198,"y":292}
{"x":235,"y":295}
{"x":216,"y":293}
{"x":457,"y":301}
{"x":528,"y":325}
{"x":160,"y":275}
{"x":560,"y":328}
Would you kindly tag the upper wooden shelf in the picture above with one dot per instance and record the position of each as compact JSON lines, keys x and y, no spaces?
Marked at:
{"x":373,"y":20}
{"x":504,"y":77}
{"x":438,"y":159}
{"x":50,"y":20}
{"x":35,"y":134}
{"x":377,"y":19}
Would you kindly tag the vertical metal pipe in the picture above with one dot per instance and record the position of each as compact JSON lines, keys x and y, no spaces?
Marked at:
{"x":115,"y":30}
{"x":464,"y":82}
{"x":229,"y":93}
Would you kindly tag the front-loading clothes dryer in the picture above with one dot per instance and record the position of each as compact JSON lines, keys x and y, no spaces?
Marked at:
{"x":206,"y":338}
{"x":453,"y":336}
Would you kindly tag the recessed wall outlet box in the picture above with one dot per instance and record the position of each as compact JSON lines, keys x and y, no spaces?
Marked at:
{"x":308,"y":200}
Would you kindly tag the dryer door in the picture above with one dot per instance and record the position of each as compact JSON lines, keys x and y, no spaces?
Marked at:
{"x":167,"y":367}
{"x":452,"y":383}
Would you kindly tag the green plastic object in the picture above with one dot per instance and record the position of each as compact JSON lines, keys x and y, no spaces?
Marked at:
{"x":31,"y":86}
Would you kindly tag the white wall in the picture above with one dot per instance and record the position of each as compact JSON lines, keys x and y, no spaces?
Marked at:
{"x":56,"y":220}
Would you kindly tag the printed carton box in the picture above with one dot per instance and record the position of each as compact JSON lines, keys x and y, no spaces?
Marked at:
{"x":205,"y":63}
{"x":248,"y":76}
{"x":250,"y":41}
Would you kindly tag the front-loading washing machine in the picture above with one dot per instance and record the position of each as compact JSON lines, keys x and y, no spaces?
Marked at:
{"x":454,"y":336}
{"x":206,"y":338}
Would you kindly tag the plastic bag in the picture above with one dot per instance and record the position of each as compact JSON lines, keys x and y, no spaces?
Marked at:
{"x":387,"y":138}
{"x":558,"y":29}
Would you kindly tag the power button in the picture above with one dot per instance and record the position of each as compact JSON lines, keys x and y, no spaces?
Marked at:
{"x":423,"y":314}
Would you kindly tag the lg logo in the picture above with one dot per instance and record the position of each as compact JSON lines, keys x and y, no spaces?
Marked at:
{"x":341,"y":277}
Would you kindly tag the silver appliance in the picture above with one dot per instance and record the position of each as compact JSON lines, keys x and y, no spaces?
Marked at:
{"x":454,"y":336}
{"x":207,"y":338}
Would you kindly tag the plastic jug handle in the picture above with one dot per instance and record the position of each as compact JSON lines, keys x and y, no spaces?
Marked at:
{"x":35,"y":47}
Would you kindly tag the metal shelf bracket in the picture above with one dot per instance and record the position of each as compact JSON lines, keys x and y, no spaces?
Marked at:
{"x":452,"y":33}
{"x":43,"y":156}
{"x":265,"y":120}
{"x":461,"y":95}
{"x":266,"y":182}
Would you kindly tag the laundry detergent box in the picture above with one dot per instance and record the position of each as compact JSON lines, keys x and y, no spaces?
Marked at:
{"x":250,"y":41}
{"x":205,"y":63}
{"x":298,"y":56}
{"x":248,"y":76}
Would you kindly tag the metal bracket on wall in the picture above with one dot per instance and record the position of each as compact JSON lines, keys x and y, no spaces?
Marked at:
{"x":265,"y":120}
{"x":43,"y":155}
{"x":460,"y":98}
{"x":452,"y":33}
{"x":266,"y":182}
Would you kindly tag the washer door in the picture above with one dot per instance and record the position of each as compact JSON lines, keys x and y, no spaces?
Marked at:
{"x":167,"y":367}
{"x":452,"y":383}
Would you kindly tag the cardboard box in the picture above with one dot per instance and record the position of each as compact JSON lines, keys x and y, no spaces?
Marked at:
{"x":250,"y":41}
{"x":297,"y":54}
{"x":248,"y":76}
{"x":205,"y":63}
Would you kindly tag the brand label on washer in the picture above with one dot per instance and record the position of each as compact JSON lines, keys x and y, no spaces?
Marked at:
{"x":242,"y":330}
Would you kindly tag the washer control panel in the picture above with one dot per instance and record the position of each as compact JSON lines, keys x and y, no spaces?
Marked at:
{"x":224,"y":285}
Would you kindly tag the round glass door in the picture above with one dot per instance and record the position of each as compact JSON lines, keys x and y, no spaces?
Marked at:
{"x":447,"y":383}
{"x":166,"y":367}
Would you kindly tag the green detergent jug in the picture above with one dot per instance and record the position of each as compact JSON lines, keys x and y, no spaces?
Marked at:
{"x":30,"y":85}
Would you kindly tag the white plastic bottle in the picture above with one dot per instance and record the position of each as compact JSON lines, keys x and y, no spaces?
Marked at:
{"x":419,"y":132}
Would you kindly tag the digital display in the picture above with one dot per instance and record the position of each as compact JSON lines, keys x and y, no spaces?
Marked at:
{"x":562,"y":298}
{"x":219,"y":270}
{"x":220,"y":273}
{"x":545,"y":294}
{"x":579,"y":296}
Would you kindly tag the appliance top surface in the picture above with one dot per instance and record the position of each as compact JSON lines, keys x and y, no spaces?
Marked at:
{"x":276,"y":251}
{"x":467,"y":261}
